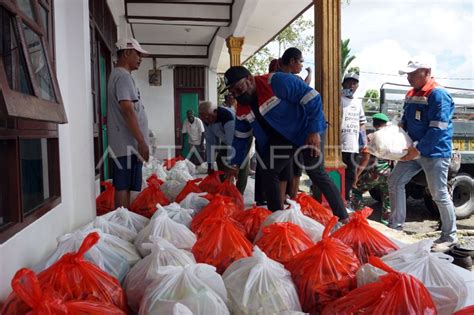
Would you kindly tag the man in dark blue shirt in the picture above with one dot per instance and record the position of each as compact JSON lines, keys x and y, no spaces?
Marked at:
{"x":219,"y":129}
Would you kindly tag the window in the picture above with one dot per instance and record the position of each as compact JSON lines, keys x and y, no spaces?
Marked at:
{"x":30,"y":110}
{"x":103,"y":36}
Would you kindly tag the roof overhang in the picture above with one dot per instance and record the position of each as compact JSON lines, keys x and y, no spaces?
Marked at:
{"x":194,"y":31}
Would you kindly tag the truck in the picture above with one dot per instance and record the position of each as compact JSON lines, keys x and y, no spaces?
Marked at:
{"x":461,"y":172}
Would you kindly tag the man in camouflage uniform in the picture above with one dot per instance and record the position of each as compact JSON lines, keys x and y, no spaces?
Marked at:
{"x":373,"y":175}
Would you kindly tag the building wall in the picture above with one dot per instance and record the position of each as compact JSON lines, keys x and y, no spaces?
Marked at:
{"x":211,"y":86}
{"x":34,"y":243}
{"x":159,"y":105}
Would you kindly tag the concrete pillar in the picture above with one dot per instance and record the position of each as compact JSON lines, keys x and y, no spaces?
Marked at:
{"x":234,"y":44}
{"x":327,"y":41}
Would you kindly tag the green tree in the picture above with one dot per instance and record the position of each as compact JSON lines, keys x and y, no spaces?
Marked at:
{"x":292,"y":36}
{"x":258,"y":63}
{"x":220,"y":87}
{"x":371,"y":99}
{"x":354,"y":70}
{"x":346,"y":57}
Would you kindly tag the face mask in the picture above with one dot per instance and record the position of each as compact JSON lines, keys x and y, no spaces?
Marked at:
{"x":348,"y":93}
{"x":244,"y":98}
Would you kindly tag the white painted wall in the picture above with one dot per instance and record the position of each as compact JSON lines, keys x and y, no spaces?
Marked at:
{"x":211,"y":85}
{"x":159,"y":104}
{"x":32,"y":244}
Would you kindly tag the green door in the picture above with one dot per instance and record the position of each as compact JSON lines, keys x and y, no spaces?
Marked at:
{"x":103,"y":112}
{"x":187,"y":101}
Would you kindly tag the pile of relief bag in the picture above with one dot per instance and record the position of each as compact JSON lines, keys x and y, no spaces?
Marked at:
{"x":188,"y":245}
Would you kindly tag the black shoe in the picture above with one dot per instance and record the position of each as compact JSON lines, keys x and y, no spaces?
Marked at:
{"x":461,"y":260}
{"x":463,"y":251}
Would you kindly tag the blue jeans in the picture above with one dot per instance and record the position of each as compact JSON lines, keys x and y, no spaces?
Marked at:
{"x":436,"y":172}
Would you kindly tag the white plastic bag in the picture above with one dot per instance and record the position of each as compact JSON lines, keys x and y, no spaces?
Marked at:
{"x":176,"y":213}
{"x":101,"y":254}
{"x":147,"y":169}
{"x":202,"y":169}
{"x":111,"y":228}
{"x":435,"y":270}
{"x":173,"y":308}
{"x":180,"y":174}
{"x":171,"y":188}
{"x":311,"y":227}
{"x":194,"y":201}
{"x":163,"y":253}
{"x":175,"y":233}
{"x":389,"y":143}
{"x":160,"y":171}
{"x":185,"y":165}
{"x":125,"y":249}
{"x":191,"y":167}
{"x":260,"y":285}
{"x":128,"y":219}
{"x":196,"y":286}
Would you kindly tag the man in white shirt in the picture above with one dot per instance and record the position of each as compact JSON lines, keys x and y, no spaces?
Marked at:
{"x":194,"y":128}
{"x":352,"y":127}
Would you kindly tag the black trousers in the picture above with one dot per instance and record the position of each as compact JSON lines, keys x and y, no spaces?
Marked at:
{"x":276,"y":165}
{"x":351,"y":167}
{"x":259,"y":196}
{"x":280,"y":161}
{"x":321,"y":179}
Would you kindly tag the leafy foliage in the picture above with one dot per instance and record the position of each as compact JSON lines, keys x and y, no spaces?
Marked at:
{"x":292,"y":36}
{"x":354,"y":70}
{"x":371,"y":99}
{"x":346,"y":57}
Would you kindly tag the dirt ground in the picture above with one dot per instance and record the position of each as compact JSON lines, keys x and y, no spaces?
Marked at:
{"x":420,"y":223}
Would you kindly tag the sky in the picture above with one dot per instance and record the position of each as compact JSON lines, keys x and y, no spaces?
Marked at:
{"x":385,"y":35}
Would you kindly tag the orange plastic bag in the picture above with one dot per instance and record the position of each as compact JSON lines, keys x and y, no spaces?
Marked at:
{"x":211,"y":182}
{"x":251,"y":220}
{"x":468,"y":310}
{"x":220,"y":244}
{"x":313,"y":209}
{"x":282,"y":241}
{"x":394,"y":293}
{"x":105,"y":202}
{"x":191,"y":187}
{"x":228,"y":189}
{"x":324,"y":272}
{"x":170,"y":163}
{"x":145,"y":203}
{"x":75,"y":278}
{"x":218,"y":207}
{"x":364,"y":239}
{"x":45,"y":301}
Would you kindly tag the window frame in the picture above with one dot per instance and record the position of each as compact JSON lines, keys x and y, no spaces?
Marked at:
{"x":17,"y":104}
{"x":24,"y":116}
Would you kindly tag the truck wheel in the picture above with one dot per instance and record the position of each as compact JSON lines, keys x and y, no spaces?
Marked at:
{"x":463,"y":197}
{"x":376,"y":194}
{"x":414,"y":190}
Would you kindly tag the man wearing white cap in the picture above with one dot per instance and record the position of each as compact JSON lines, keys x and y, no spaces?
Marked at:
{"x":427,"y":116}
{"x":352,"y":128}
{"x":127,"y":123}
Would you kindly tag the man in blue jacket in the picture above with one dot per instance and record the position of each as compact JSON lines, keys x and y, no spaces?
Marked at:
{"x":427,"y":115}
{"x":286,"y":118}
